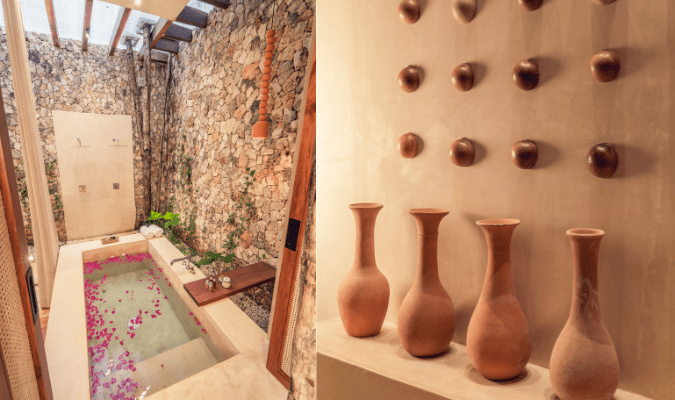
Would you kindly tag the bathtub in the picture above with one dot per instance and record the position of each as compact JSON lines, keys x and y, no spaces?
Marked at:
{"x":242,"y":375}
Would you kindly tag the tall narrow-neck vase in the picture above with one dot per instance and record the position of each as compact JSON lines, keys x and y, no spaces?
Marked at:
{"x":426,"y":319}
{"x":584,"y":364}
{"x":498,"y":338}
{"x":363,"y":296}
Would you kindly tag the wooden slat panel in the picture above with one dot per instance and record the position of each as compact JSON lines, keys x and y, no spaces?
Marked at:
{"x":242,"y":278}
{"x":177,"y":32}
{"x":192,"y":16}
{"x":49,"y":5}
{"x":121,"y":22}
{"x":298,"y":210}
{"x":167,"y":45}
{"x":13,"y":214}
{"x":87,"y":24}
{"x":224,"y":4}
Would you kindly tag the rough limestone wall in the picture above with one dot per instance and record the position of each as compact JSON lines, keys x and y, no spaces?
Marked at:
{"x":215,"y":104}
{"x":303,"y":363}
{"x":69,"y":79}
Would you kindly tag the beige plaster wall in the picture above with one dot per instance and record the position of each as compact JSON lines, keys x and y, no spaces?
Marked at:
{"x":99,"y":210}
{"x":363,"y":45}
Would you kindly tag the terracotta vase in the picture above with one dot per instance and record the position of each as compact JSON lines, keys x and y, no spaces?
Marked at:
{"x":498,"y":339}
{"x":426,"y":319}
{"x":584,"y":364}
{"x":363,"y":296}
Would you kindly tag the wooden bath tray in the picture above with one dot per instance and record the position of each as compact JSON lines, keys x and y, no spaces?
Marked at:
{"x":242,"y":278}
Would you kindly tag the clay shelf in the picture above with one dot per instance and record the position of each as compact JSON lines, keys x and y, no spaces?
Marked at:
{"x":381,"y":362}
{"x":242,"y":278}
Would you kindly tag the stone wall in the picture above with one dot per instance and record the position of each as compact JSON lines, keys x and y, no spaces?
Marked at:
{"x":69,"y":79}
{"x":217,"y":79}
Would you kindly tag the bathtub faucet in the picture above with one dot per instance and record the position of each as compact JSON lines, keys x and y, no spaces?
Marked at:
{"x":186,"y":262}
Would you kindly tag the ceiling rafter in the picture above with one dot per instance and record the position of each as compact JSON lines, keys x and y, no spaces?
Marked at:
{"x":192,"y":16}
{"x":121,"y":22}
{"x":49,"y":5}
{"x":87,"y":24}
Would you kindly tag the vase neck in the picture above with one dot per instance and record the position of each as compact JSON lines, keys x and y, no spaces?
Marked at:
{"x":427,"y":259}
{"x":585,"y":298}
{"x":498,"y":280}
{"x":428,"y":221}
{"x":364,"y":256}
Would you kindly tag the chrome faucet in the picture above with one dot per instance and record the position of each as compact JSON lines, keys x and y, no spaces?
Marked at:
{"x":186,"y":263}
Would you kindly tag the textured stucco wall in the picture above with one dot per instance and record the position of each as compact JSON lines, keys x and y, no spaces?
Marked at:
{"x":362,"y":46}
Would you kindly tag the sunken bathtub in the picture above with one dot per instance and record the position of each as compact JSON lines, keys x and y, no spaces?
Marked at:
{"x":121,"y":326}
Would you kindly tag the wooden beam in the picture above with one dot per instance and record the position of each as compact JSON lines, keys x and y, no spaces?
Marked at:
{"x":147,"y":157}
{"x":52,"y":22}
{"x":136,"y":102}
{"x":297,"y":210}
{"x":192,"y":16}
{"x":121,"y":22}
{"x":177,"y":32}
{"x":167,"y":45}
{"x":224,"y":4}
{"x":87,"y":24}
{"x":155,"y":56}
{"x":162,"y":151}
{"x":158,"y":30}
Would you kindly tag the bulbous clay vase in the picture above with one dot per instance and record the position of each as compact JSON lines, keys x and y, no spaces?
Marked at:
{"x":584,"y":364}
{"x":363,"y":296}
{"x":426,"y":319}
{"x":498,"y":338}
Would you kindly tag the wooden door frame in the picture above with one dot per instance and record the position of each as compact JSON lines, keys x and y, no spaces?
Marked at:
{"x":285,"y":285}
{"x":17,"y":235}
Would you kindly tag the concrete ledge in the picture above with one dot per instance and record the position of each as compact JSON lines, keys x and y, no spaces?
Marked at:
{"x":379,"y":367}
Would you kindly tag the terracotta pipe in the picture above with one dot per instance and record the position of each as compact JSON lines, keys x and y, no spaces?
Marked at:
{"x":602,"y":160}
{"x":409,"y":78}
{"x":462,"y":152}
{"x":605,"y":65}
{"x":409,"y":11}
{"x":462,"y":77}
{"x":530,"y":5}
{"x":408,"y":145}
{"x":526,"y":74}
{"x":525,"y":154}
{"x":262,"y":127}
{"x":464,"y":10}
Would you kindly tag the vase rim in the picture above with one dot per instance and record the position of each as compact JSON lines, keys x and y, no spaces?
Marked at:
{"x":365,"y":206}
{"x":585,"y":232}
{"x":428,"y":211}
{"x":498,"y":222}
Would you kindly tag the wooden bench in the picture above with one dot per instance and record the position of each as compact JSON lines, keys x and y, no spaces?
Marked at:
{"x":242,"y":278}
